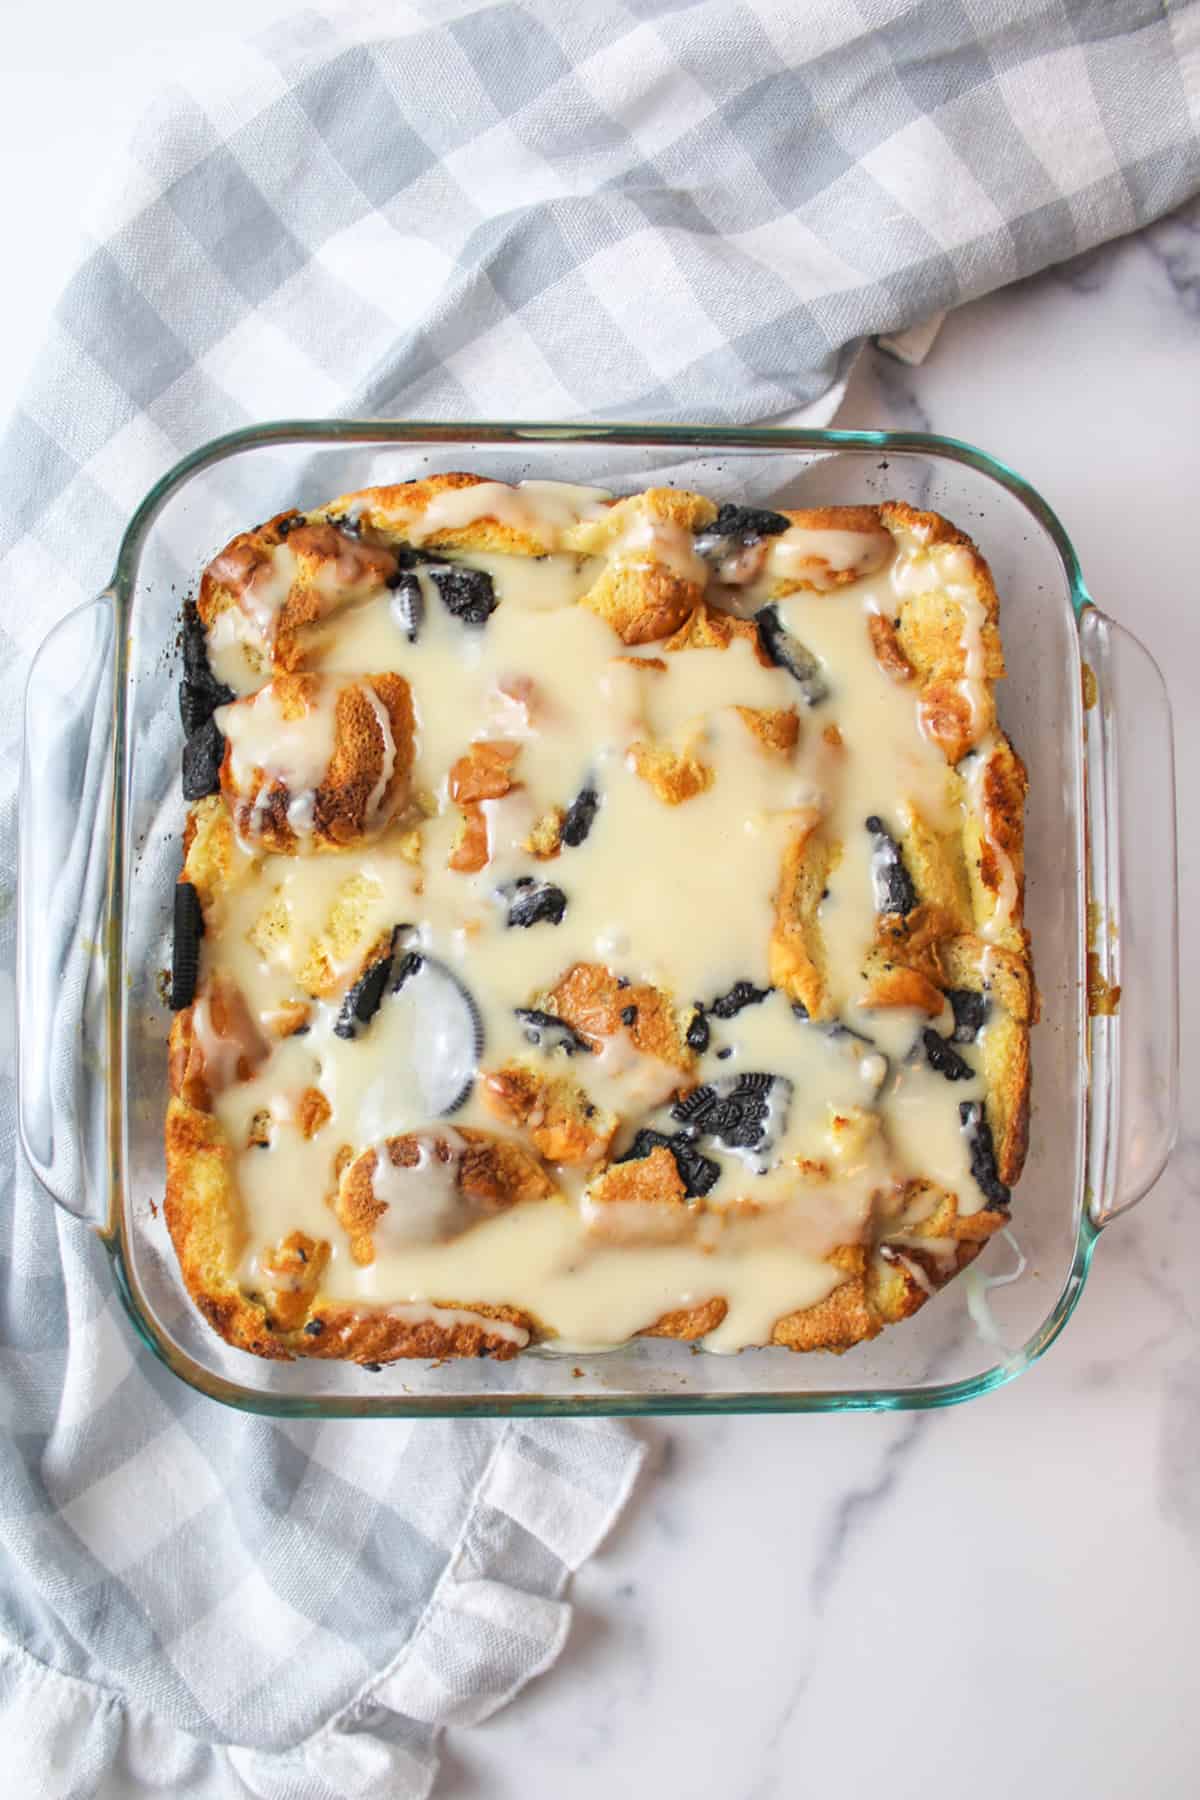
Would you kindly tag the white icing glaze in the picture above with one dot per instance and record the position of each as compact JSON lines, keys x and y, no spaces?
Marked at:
{"x":422,"y":1200}
{"x":295,"y":751}
{"x":646,"y":541}
{"x":541,"y":509}
{"x":808,"y":553}
{"x":388,"y":765}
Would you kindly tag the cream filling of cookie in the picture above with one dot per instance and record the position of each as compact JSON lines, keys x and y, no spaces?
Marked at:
{"x":678,"y":895}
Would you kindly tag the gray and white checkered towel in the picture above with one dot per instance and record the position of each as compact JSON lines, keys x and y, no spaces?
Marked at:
{"x":497,"y":207}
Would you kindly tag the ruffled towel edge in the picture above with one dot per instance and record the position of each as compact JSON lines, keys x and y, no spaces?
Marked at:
{"x":515,"y":1635}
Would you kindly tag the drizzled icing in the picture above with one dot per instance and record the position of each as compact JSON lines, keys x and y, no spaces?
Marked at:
{"x":677,"y":895}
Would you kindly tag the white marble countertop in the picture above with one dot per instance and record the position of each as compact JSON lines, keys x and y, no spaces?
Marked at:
{"x":992,"y":1600}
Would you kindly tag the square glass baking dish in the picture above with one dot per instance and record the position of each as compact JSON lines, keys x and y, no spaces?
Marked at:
{"x":101,"y":819}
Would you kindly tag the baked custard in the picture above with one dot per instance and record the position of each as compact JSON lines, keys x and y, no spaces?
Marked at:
{"x":599,"y":917}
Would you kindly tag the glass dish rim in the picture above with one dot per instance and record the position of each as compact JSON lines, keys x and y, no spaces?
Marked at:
{"x":114,"y":1232}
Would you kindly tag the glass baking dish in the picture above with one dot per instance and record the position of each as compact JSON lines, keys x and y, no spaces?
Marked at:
{"x":99,"y":845}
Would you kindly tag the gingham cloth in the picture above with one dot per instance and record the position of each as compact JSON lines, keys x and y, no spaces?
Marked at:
{"x":482,"y":210}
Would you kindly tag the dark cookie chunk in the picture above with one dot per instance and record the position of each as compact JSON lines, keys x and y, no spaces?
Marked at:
{"x":407,"y":557}
{"x":533,"y":902}
{"x":351,"y":528}
{"x":199,"y":691}
{"x":198,"y":702}
{"x":970,"y":1014}
{"x":894,"y":890}
{"x":185,"y":950}
{"x":737,"y":525}
{"x":698,"y":1032}
{"x":361,"y":1002}
{"x":202,"y":755}
{"x":194,"y":643}
{"x":940,"y":1056}
{"x":467,"y":593}
{"x":787,"y":652}
{"x":800,"y":1010}
{"x":411,"y":963}
{"x":580,"y":817}
{"x":699,"y":1174}
{"x":742,"y":1112}
{"x":314,"y":1328}
{"x":741,"y":994}
{"x":407,"y":604}
{"x":283,"y":528}
{"x":629,"y":1015}
{"x":983,"y":1154}
{"x":548,"y":1032}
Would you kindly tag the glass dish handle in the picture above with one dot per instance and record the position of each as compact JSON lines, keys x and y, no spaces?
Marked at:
{"x":62,"y":880}
{"x":1133,"y":918}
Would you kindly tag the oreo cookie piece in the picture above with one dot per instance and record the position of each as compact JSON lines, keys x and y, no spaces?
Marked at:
{"x":787,"y":652}
{"x":580,"y":817}
{"x":202,"y":756}
{"x":531,"y":902}
{"x":699,"y":1174}
{"x":546,"y":1031}
{"x":698,"y":1034}
{"x":411,"y":963}
{"x":407,"y":557}
{"x":745,"y":1113}
{"x":200,"y":693}
{"x":450,"y":1030}
{"x":197,"y":703}
{"x":893,"y":885}
{"x":735,"y":526}
{"x":983,"y":1154}
{"x":740,"y":995}
{"x":940,"y":1056}
{"x":361,"y":1002}
{"x":467,"y":593}
{"x":971,"y":1010}
{"x":185,"y":947}
{"x":194,"y":644}
{"x":407,"y":604}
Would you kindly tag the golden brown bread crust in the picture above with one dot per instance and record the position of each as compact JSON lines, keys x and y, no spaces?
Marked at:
{"x":490,"y":1175}
{"x":916,"y":960}
{"x":204,"y":1220}
{"x":564,"y":1126}
{"x":345,"y":807}
{"x":592,"y":999}
{"x":391,"y":511}
{"x":821,"y":575}
{"x":235,"y":582}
